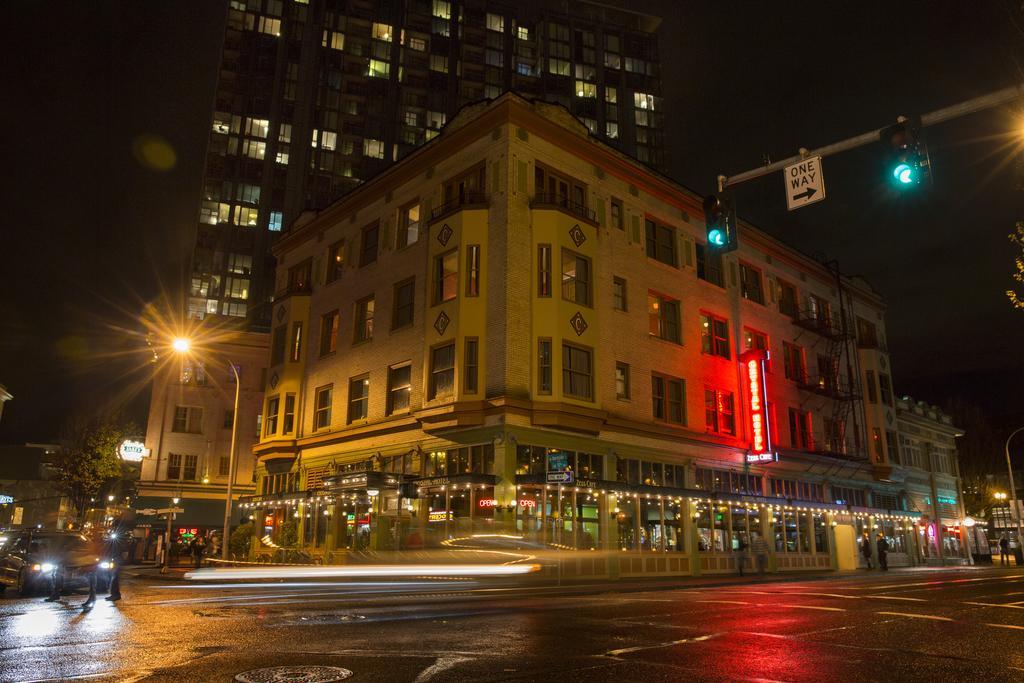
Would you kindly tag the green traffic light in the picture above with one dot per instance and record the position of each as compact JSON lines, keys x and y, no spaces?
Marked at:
{"x":903,"y":173}
{"x":716,"y":237}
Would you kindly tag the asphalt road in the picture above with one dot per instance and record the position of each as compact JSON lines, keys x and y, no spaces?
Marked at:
{"x":905,"y":625}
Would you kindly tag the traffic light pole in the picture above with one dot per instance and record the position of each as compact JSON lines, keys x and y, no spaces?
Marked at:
{"x":972,"y":106}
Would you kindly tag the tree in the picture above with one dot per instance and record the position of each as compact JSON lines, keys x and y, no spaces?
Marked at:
{"x":1017,"y":237}
{"x":88,"y":459}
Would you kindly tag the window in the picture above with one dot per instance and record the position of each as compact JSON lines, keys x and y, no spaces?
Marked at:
{"x":663,"y":314}
{"x":714,"y":335}
{"x":322,"y":407}
{"x":404,"y":306}
{"x":335,"y":261}
{"x":894,"y":450}
{"x":617,"y":214}
{"x":276,"y":221}
{"x":446,"y":276}
{"x":834,"y":435}
{"x":667,"y":397}
{"x":358,"y":398}
{"x":622,"y":381}
{"x":270,"y":419}
{"x":373,"y":148}
{"x":619,"y":294}
{"x":788,"y":299}
{"x":661,"y":242}
{"x":299,"y":276}
{"x":577,"y":376}
{"x":544,"y":366}
{"x":288,"y":421}
{"x":876,"y":440}
{"x":399,"y":388}
{"x":575,"y":278}
{"x":442,"y":371}
{"x":193,"y":374}
{"x":869,"y":381}
{"x":793,"y":362}
{"x":544,"y":270}
{"x":473,"y":270}
{"x":843,"y":495}
{"x":381,"y":32}
{"x":800,"y":429}
{"x":174,"y":465}
{"x":368,"y":247}
{"x":224,"y":466}
{"x":277,"y":345}
{"x":240,"y":264}
{"x":408,"y":225}
{"x":495,"y":22}
{"x":885,"y":388}
{"x":188,"y":420}
{"x":750,"y":283}
{"x":364,"y":319}
{"x":296,"y":343}
{"x":752,"y":339}
{"x":229,"y":418}
{"x":867,"y":333}
{"x":471,"y":363}
{"x":709,"y":265}
{"x":329,"y":333}
{"x":719,"y":413}
{"x":819,"y":310}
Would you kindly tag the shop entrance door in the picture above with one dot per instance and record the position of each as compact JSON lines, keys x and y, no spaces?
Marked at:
{"x":846,"y":547}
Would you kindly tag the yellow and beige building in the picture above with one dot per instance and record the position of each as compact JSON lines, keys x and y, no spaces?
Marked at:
{"x":519,"y":330}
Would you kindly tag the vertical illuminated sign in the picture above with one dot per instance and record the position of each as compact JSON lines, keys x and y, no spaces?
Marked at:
{"x":752,"y":363}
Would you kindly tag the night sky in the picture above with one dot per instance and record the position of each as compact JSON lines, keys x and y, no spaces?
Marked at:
{"x":94,"y":233}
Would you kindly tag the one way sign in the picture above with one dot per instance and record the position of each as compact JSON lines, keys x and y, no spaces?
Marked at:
{"x":804,"y":183}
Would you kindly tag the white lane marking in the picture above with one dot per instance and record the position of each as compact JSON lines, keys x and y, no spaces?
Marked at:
{"x":994,"y":604}
{"x":831,"y":595}
{"x":681,"y":641}
{"x":1019,"y":628}
{"x":894,"y":597}
{"x":938,"y":583}
{"x":825,"y":609}
{"x":915,"y":616}
{"x":726,"y":602}
{"x":442,"y":664}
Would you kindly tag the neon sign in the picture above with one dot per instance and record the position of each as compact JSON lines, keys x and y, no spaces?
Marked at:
{"x":527,"y":503}
{"x":132,"y":451}
{"x":439,"y":515}
{"x":487,"y":502}
{"x":761,"y":450}
{"x":5,"y":499}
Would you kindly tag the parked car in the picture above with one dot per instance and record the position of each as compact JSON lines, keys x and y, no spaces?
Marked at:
{"x":31,"y":558}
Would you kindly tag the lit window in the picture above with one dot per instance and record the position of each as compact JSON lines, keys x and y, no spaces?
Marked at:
{"x":237,"y":287}
{"x":584,"y":89}
{"x":408,"y":225}
{"x":245,"y":215}
{"x":257,"y":128}
{"x":418,"y":44}
{"x":446,"y":276}
{"x":442,"y":9}
{"x":496,"y":22}
{"x":575,"y":278}
{"x":663,"y":314}
{"x":270,"y":26}
{"x":322,"y":408}
{"x":523,"y":33}
{"x":439,"y":63}
{"x":714,"y":335}
{"x":239,"y":263}
{"x":221,"y":122}
{"x":373,"y":148}
{"x":364,"y":319}
{"x":643,"y":101}
{"x":379,"y":69}
{"x":254,"y":149}
{"x":559,"y":67}
{"x":382,"y":32}
{"x":611,"y":95}
{"x":435,"y":119}
{"x":719,"y":416}
{"x":276,"y":217}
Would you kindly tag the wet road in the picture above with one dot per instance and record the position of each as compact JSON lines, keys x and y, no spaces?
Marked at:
{"x":922,"y":625}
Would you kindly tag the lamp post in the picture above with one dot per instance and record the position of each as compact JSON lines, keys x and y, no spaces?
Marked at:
{"x":182,"y":345}
{"x":1013,"y":488}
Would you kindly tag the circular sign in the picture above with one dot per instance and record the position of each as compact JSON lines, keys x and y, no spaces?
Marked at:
{"x":294,"y":674}
{"x":132,"y":451}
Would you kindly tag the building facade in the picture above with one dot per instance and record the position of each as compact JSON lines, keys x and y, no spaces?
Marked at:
{"x":518,"y":329}
{"x":931,"y":474}
{"x":316,"y":96}
{"x":188,"y":437}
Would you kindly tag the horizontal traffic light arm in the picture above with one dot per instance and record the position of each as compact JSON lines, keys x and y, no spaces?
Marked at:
{"x":955,"y":111}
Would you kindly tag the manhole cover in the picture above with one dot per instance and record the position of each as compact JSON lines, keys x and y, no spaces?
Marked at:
{"x":294,"y":674}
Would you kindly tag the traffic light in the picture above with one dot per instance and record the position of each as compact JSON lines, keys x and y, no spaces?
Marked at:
{"x":908,"y":163}
{"x":720,"y":220}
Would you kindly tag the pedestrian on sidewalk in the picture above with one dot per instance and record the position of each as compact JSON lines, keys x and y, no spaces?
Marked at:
{"x":883,"y":552}
{"x":1004,"y":550}
{"x":865,"y":549}
{"x":741,"y":554}
{"x":198,"y":548}
{"x":759,"y":547}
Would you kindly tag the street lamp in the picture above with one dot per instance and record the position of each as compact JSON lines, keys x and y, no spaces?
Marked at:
{"x":1013,"y":488}
{"x":182,"y":345}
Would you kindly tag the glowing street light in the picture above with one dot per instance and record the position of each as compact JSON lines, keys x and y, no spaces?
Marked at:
{"x":181,"y":344}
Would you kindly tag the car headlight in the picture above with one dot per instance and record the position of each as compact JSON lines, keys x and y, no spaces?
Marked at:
{"x":106,"y":564}
{"x":47,"y":567}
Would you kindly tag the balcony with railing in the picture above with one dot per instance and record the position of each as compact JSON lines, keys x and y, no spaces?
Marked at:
{"x":561,"y":202}
{"x":829,"y":386}
{"x":820,"y":323}
{"x":465,"y":200}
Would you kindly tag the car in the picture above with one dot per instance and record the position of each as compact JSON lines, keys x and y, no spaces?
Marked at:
{"x":31,"y":559}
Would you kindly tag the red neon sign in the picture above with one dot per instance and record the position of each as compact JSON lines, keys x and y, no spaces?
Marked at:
{"x":487,"y":502}
{"x":753,"y":362}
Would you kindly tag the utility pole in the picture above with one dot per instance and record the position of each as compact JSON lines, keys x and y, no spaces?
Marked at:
{"x":955,"y":111}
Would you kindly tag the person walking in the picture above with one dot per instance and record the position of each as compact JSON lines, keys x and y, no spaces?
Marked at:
{"x":115,"y":542}
{"x":741,"y":555}
{"x":883,"y":552}
{"x":1004,"y":549}
{"x":865,"y":549}
{"x":197,"y":550}
{"x":759,"y":547}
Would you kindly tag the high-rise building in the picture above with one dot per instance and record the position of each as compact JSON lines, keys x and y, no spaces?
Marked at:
{"x":316,"y":96}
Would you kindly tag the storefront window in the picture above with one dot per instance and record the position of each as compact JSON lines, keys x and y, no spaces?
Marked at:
{"x":704,"y":535}
{"x":804,"y":531}
{"x":528,"y":508}
{"x":820,"y":535}
{"x":721,"y":537}
{"x":588,"y":534}
{"x":951,"y":542}
{"x":791,"y":524}
{"x":650,"y":528}
{"x":625,"y":519}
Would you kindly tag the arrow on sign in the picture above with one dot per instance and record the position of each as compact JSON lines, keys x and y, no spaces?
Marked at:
{"x":806,"y":194}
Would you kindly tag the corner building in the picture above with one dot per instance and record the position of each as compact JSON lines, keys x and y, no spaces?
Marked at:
{"x":517,"y":297}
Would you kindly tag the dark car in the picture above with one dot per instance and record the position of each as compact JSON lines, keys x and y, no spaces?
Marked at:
{"x":31,"y":558}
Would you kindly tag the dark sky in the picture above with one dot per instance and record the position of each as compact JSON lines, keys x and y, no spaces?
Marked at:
{"x":93,"y":233}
